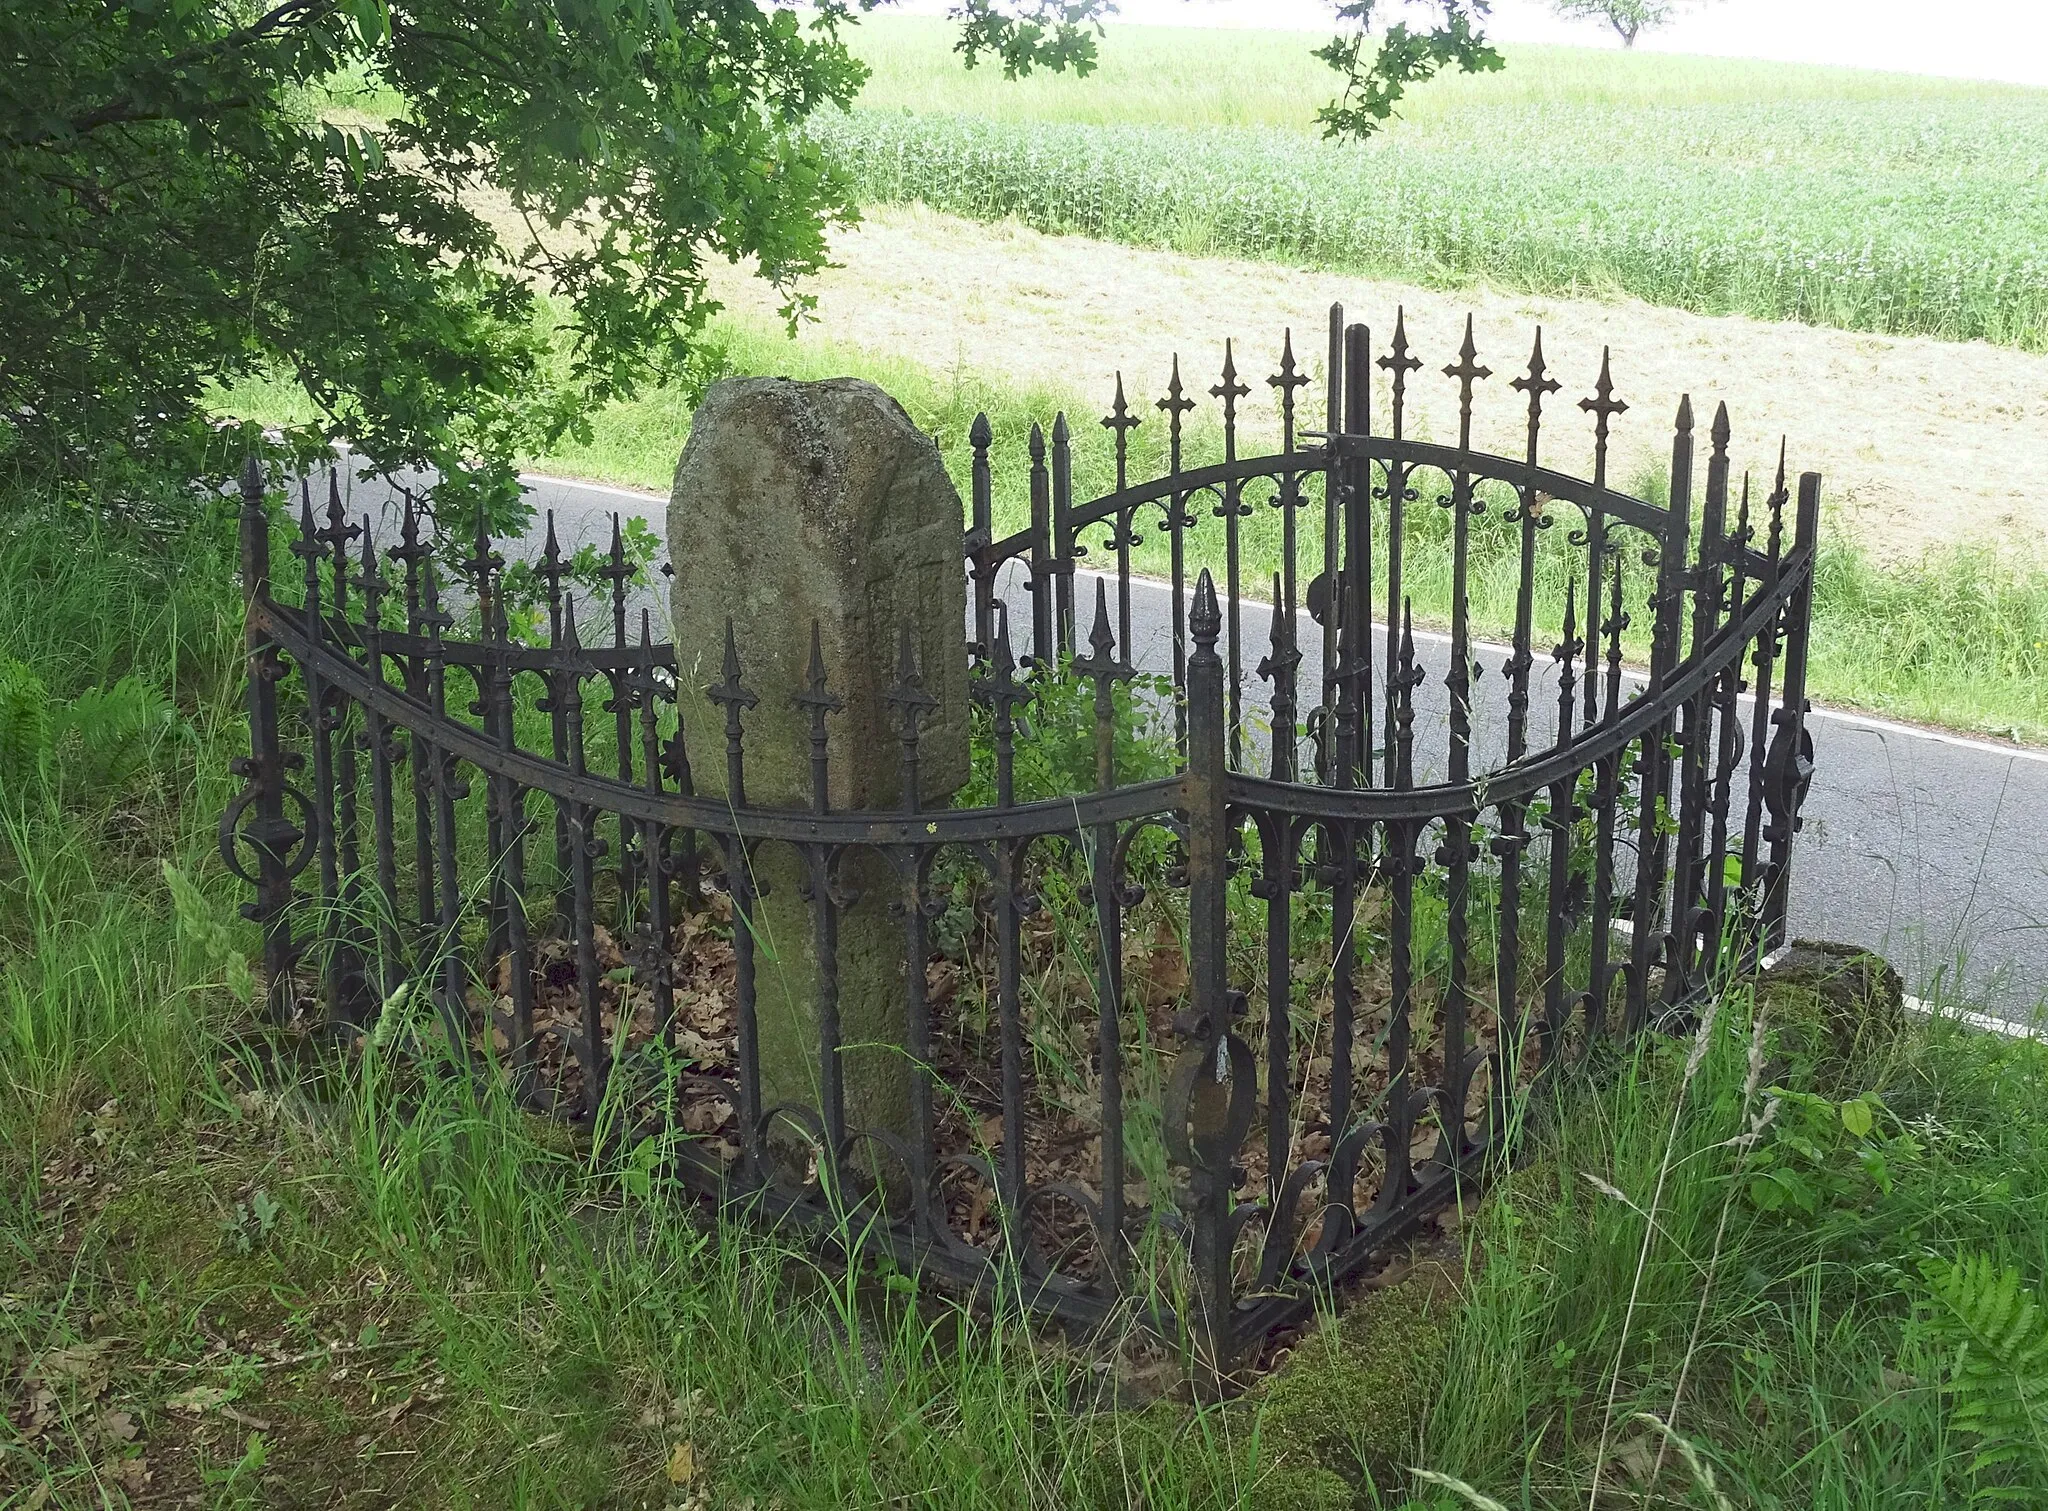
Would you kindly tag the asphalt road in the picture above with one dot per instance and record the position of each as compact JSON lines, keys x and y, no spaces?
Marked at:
{"x":1929,"y":847}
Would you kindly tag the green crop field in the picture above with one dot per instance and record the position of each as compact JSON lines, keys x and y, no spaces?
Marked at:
{"x":1861,"y":200}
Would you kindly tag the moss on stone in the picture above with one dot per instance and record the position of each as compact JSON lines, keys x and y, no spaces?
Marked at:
{"x":1350,"y":1402}
{"x":1303,"y":1487}
{"x":1834,"y":1009}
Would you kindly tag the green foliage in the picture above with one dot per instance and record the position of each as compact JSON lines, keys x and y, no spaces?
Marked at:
{"x":215,"y":942}
{"x":249,"y":1226}
{"x":105,"y":737}
{"x":25,"y":725}
{"x":376,"y":199}
{"x":1800,"y":1334}
{"x":1351,"y":1399}
{"x":1994,"y":1331}
{"x":1817,"y":1154}
{"x":1054,"y":742}
{"x":92,"y":747}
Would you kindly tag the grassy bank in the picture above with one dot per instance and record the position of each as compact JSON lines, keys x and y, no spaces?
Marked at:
{"x":1868,"y":201}
{"x":241,"y":1273}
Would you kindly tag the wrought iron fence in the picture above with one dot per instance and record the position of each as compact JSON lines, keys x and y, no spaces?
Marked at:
{"x":1186,"y":1046}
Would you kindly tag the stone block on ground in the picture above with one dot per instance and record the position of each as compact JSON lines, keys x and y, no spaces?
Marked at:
{"x":801,"y":503}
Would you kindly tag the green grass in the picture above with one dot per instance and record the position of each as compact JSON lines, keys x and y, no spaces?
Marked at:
{"x":1867,"y":201}
{"x":1191,"y":76}
{"x":1817,"y":1369}
{"x":235,"y":1268}
{"x":380,"y":1282}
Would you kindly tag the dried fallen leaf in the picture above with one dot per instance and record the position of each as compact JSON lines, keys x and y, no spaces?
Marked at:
{"x":682,"y":1463}
{"x":116,"y":1426}
{"x":200,"y":1398}
{"x":132,"y":1475}
{"x":42,"y":1411}
{"x":80,"y":1363}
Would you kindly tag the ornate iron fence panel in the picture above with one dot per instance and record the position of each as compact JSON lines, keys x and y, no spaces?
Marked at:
{"x":1186,"y":1047}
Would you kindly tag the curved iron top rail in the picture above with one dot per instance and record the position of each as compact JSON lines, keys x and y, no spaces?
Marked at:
{"x":1652,"y":779}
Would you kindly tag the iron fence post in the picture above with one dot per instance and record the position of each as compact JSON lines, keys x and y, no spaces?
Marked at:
{"x":1789,"y":766}
{"x":1209,"y":1105}
{"x":272,"y":836}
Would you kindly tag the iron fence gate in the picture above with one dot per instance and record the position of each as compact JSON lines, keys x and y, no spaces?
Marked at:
{"x":1189,"y":1042}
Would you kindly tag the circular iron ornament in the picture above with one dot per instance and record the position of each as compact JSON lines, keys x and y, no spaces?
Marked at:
{"x":1036,"y":1264}
{"x":899,"y":1199}
{"x":232,"y":834}
{"x":1197,"y":1138}
{"x":982,"y":1170}
{"x":812,"y":1128}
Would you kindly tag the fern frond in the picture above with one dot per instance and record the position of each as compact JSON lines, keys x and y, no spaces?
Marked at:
{"x":25,"y":727}
{"x":1996,"y":1330}
{"x":106,"y":735}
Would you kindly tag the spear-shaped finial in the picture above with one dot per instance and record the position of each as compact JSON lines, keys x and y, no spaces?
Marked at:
{"x":1720,"y":431}
{"x":1603,"y":405}
{"x":1175,"y":404}
{"x":307,"y":547}
{"x":1467,"y":370}
{"x":1120,"y":419}
{"x":1205,"y":618}
{"x":1229,"y":390}
{"x":371,"y":581}
{"x":907,"y":696}
{"x":818,"y":701}
{"x":728,"y":689}
{"x":1101,"y":640}
{"x":1290,"y":376}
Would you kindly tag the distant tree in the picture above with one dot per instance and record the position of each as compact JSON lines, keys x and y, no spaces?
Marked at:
{"x":457,"y":226}
{"x":1629,"y":18}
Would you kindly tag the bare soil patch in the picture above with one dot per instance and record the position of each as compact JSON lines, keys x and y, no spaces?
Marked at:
{"x":1920,"y":441}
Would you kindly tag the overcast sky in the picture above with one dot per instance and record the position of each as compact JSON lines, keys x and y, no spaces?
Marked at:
{"x":1982,"y":39}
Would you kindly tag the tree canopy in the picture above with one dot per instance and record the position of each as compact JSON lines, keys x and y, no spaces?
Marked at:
{"x":195,"y":192}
